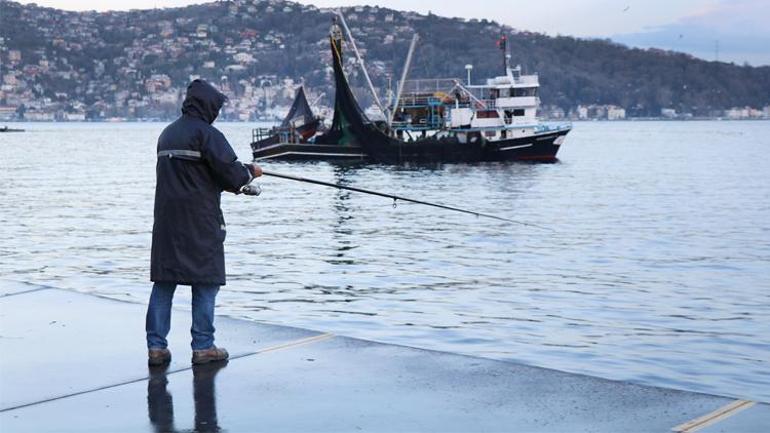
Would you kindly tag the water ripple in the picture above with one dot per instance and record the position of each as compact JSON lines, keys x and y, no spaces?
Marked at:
{"x":656,"y":272}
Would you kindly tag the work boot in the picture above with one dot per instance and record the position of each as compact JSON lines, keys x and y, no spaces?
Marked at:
{"x":211,"y":354}
{"x":158,"y":356}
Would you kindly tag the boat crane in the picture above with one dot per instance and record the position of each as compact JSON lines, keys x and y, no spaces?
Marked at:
{"x":404,"y":73}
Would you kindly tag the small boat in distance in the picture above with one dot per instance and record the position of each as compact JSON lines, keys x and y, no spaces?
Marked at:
{"x":7,"y":129}
{"x":435,"y":120}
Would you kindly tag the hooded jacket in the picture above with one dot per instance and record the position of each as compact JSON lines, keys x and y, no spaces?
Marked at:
{"x":195,"y":164}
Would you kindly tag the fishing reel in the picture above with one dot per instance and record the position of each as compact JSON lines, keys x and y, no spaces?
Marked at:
{"x":251,"y":189}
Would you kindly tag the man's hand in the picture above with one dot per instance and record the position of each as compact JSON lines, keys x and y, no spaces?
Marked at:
{"x":256,"y":170}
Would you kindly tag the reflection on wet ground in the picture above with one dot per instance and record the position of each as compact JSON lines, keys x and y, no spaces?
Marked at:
{"x":160,"y":403}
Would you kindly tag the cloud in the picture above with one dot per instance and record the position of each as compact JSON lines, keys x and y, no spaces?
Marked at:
{"x":736,"y":29}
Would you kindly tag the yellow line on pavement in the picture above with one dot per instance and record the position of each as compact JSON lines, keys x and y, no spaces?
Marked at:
{"x":290,"y":344}
{"x":714,"y":417}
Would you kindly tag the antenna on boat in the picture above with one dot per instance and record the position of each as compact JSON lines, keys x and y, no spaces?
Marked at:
{"x":469,"y":68}
{"x":360,"y":60}
{"x":389,"y":99}
{"x":404,"y":73}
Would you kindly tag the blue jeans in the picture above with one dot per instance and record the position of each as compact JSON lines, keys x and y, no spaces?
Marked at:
{"x":158,"y":322}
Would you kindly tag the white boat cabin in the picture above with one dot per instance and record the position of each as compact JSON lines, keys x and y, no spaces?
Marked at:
{"x":504,"y":107}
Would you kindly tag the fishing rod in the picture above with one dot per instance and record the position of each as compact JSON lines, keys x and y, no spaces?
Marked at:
{"x":395,"y":198}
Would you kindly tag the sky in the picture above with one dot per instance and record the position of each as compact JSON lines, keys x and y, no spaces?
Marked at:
{"x":727,"y":30}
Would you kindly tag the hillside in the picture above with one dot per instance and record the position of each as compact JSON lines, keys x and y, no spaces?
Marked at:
{"x":137,"y":63}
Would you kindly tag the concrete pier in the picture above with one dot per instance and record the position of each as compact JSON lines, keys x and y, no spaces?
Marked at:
{"x":76,"y":362}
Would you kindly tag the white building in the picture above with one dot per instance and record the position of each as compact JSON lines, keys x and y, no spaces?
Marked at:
{"x":668,"y":113}
{"x":582,"y":112}
{"x":615,"y":113}
{"x":75,"y":117}
{"x":736,"y":113}
{"x":244,"y":58}
{"x":38,"y":116}
{"x":7,"y":113}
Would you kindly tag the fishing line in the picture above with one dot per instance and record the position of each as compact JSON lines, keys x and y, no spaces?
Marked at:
{"x":395,"y":198}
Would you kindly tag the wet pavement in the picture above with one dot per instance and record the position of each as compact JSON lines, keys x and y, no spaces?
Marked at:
{"x":76,"y":362}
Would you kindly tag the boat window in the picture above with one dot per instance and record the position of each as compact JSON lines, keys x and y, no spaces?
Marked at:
{"x":488,"y":114}
{"x":530,"y":91}
{"x":518,"y":112}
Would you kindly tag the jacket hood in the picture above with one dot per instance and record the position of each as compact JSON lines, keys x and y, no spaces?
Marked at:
{"x":203,"y":101}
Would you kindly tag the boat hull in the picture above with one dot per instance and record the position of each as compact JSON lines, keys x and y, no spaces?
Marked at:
{"x":541,"y":147}
{"x":383,"y":149}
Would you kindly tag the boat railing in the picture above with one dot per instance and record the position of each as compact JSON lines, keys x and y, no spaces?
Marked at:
{"x":430,"y":85}
{"x":426,"y":99}
{"x":420,"y":100}
{"x":259,"y":134}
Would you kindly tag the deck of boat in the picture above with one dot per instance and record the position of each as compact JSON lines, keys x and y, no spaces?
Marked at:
{"x":76,"y":362}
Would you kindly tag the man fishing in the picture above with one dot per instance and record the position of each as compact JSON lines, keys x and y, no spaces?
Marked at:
{"x":195,"y":164}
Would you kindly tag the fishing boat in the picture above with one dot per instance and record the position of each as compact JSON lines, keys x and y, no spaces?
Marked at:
{"x":294,"y":138}
{"x":7,"y":129}
{"x":439,"y":120}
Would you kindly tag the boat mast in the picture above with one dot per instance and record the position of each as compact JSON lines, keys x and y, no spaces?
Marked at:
{"x":360,"y":61}
{"x":502,"y":42}
{"x":404,"y":73}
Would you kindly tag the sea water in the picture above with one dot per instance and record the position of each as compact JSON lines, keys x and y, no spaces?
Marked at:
{"x":654,"y":266}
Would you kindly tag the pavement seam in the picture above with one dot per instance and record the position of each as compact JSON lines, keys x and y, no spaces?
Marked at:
{"x":714,"y":417}
{"x":277,"y":347}
{"x":24,"y":292}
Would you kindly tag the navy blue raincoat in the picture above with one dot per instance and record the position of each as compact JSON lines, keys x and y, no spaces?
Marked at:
{"x":195,"y":164}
